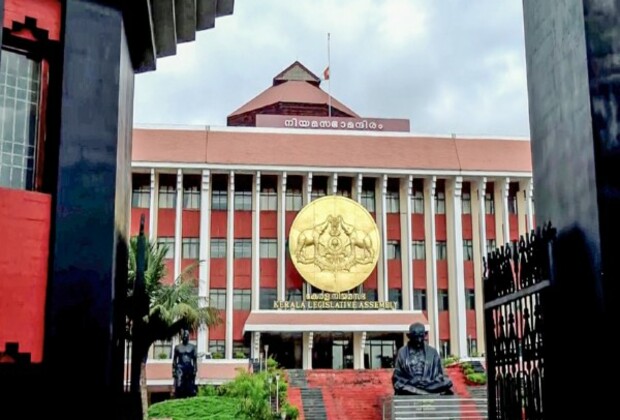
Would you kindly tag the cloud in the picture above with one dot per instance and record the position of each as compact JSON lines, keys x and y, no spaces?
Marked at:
{"x":451,"y":66}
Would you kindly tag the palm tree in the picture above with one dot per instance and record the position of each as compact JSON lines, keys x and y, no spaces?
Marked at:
{"x":171,"y":308}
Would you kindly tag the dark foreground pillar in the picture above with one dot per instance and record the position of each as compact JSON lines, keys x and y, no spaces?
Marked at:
{"x":83,"y":346}
{"x":573,"y":68}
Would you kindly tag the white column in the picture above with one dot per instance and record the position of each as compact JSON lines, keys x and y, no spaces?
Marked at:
{"x":480,"y":251}
{"x":230,"y":241}
{"x":178,"y":226}
{"x":357,"y":188}
{"x":529,"y":196}
{"x":382,"y":269}
{"x":204,"y":268}
{"x":334,"y":184}
{"x":405,"y":233}
{"x":256,"y":243}
{"x":359,"y":339}
{"x":431,"y":260}
{"x":255,"y":350}
{"x":308,"y":191}
{"x":502,"y":223}
{"x":307,"y":341}
{"x":153,"y":206}
{"x":456,"y":270}
{"x":281,"y":286}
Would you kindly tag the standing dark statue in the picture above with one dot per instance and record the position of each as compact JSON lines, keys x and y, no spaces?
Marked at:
{"x":418,"y":369}
{"x":184,"y":367}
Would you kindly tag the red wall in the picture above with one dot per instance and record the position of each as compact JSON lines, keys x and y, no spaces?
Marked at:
{"x":46,"y":12}
{"x":417,"y":223}
{"x":218,"y":224}
{"x":24,"y":250}
{"x":513,"y":221}
{"x":395,"y":274}
{"x":243,"y":224}
{"x":135,"y":221}
{"x":268,"y":272}
{"x":393,"y":226}
{"x":268,"y":224}
{"x":419,"y":274}
{"x":165,"y":222}
{"x":191,"y":224}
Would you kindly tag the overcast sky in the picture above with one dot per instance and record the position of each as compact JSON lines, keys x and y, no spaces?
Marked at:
{"x":450,"y":66}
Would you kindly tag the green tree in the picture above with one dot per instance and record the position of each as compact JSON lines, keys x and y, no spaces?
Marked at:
{"x":171,"y":307}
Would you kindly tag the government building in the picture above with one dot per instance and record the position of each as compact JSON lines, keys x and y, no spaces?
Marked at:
{"x":228,"y":198}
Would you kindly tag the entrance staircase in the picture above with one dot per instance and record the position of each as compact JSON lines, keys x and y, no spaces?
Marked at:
{"x":353,"y":394}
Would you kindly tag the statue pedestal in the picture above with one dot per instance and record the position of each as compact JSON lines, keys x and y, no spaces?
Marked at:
{"x":434,"y":407}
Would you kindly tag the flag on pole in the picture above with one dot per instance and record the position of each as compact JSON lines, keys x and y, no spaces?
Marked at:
{"x":326,"y":73}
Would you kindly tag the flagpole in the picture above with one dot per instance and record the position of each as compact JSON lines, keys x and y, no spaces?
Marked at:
{"x":329,"y":80}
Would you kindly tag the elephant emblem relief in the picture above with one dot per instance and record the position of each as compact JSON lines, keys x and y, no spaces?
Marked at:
{"x":334,"y":245}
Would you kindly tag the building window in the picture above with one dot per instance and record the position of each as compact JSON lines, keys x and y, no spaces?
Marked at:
{"x":440,"y":202}
{"x":217,"y":348}
{"x":443,"y":302}
{"x":191,"y":192}
{"x":243,"y":248}
{"x":168,"y":244}
{"x":418,"y":250}
{"x":242,"y":299}
{"x":243,"y":200}
{"x":379,"y":354}
{"x":395,"y":295}
{"x":293,"y":200}
{"x":267,"y":297}
{"x":218,"y":248}
{"x":444,"y":348}
{"x":167,"y":191}
{"x":393,"y":250}
{"x":491,"y":245}
{"x":367,"y":198}
{"x":371,"y":294}
{"x":162,"y":349}
{"x":419,"y":299}
{"x":417,"y":202}
{"x":240,"y":350}
{"x":392,"y":202}
{"x":190,"y":248}
{"x":219,"y":200}
{"x":141,"y":191}
{"x":472,"y":345}
{"x":319,"y":187}
{"x":470,"y":297}
{"x":268,"y":248}
{"x":468,"y":250}
{"x":217,"y":298}
{"x":466,"y":202}
{"x":294,"y":295}
{"x":392,"y":196}
{"x":489,"y":203}
{"x":20,"y":79}
{"x":441,"y":250}
{"x":269,"y":193}
{"x":344,"y":186}
{"x":512,"y":204}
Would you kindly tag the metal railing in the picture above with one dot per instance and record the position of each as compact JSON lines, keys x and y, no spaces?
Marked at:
{"x":516,"y":286}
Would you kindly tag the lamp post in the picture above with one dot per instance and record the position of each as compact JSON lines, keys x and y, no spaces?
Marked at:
{"x":269,"y":379}
{"x":266,"y":355}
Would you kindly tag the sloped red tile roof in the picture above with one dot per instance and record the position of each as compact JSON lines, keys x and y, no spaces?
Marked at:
{"x":292,"y":92}
{"x":287,"y":147}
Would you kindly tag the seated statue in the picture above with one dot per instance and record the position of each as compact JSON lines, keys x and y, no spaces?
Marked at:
{"x":184,"y":367}
{"x":418,"y":369}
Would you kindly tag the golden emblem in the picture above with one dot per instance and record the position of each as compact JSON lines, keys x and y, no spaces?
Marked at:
{"x":334,"y":243}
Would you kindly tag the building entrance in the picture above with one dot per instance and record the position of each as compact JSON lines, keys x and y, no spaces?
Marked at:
{"x":284,"y":348}
{"x":332,"y":351}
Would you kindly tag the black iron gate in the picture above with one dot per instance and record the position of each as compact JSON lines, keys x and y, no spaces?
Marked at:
{"x":516,"y":286}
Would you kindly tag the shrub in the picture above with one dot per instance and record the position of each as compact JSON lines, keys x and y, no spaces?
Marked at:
{"x":477,"y":378}
{"x":207,"y":408}
{"x":450,"y":360}
{"x":240,"y":355}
